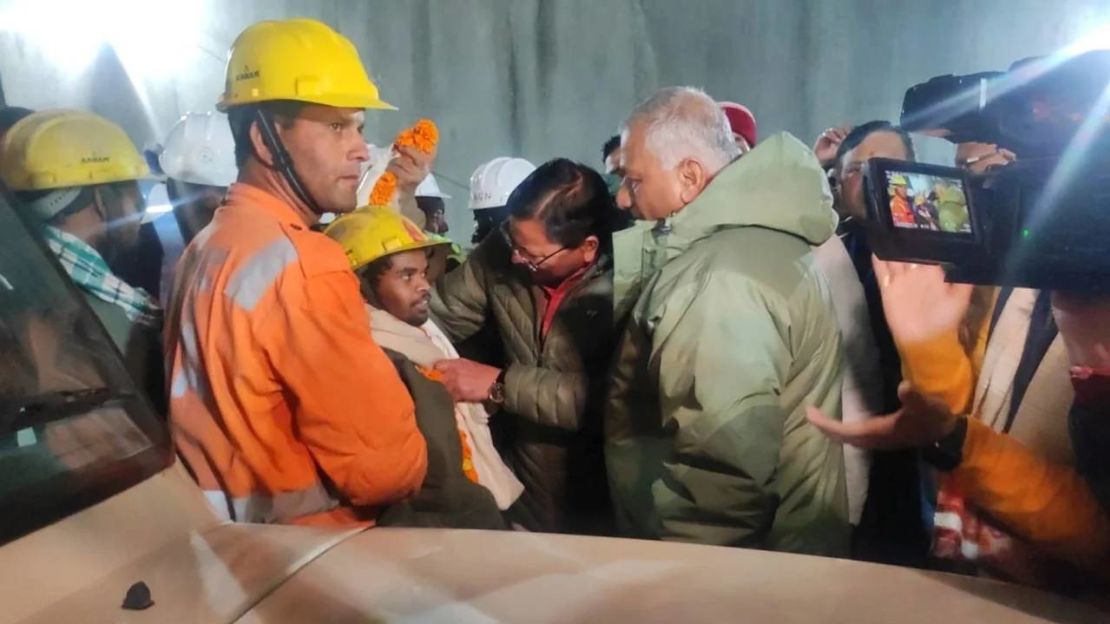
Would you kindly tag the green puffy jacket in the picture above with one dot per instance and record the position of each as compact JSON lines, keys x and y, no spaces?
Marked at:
{"x":550,"y":426}
{"x":731,"y":337}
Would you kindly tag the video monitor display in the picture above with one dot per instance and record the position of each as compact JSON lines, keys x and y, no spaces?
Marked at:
{"x":932,"y":203}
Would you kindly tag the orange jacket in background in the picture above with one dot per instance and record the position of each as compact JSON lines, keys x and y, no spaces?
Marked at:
{"x":1043,"y":503}
{"x":944,"y":366}
{"x":275,"y":381}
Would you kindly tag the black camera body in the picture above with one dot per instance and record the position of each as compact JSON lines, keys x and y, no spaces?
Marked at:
{"x":1015,"y":226}
{"x":1040,"y":222}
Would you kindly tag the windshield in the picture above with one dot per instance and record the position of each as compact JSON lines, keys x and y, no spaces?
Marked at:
{"x":73,"y":429}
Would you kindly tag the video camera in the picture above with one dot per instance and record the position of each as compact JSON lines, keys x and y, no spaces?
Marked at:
{"x":1040,"y":222}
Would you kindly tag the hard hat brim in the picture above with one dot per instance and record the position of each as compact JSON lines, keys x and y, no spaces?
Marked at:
{"x":428,"y":244}
{"x":333,"y":100}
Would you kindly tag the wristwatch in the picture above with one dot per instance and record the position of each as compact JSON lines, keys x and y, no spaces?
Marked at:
{"x":947,"y":453}
{"x":497,"y":390}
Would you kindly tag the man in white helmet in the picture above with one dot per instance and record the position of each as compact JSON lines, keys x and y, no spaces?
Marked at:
{"x":199,"y":162}
{"x":430,"y":201}
{"x":490,"y":187}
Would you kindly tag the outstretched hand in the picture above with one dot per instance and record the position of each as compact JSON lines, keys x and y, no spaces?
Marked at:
{"x":467,"y":381}
{"x":919,"y":304}
{"x":922,"y":421}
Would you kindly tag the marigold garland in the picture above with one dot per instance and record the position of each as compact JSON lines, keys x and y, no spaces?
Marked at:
{"x":423,"y":135}
{"x":384,"y":190}
{"x":468,"y":467}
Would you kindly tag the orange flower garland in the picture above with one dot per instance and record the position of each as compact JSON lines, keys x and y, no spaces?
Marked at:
{"x":467,"y":453}
{"x":384,"y":190}
{"x":424,"y":135}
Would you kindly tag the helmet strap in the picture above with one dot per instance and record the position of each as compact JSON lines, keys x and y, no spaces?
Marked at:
{"x":283,"y":162}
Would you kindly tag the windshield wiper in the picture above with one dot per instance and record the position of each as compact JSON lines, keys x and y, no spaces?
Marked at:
{"x":37,"y":410}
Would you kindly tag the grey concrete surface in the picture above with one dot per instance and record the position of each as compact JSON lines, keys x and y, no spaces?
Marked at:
{"x":539,"y":78}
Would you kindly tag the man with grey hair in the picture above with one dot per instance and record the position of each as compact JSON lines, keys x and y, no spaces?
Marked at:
{"x":730,"y":336}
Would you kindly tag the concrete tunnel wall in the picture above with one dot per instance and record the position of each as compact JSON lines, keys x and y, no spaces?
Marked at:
{"x":545,"y":78}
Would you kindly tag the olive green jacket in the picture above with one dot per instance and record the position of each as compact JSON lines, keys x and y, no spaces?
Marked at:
{"x":731,"y":336}
{"x":550,"y":424}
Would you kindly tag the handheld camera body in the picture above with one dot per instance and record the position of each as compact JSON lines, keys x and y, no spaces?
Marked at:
{"x":1040,"y":222}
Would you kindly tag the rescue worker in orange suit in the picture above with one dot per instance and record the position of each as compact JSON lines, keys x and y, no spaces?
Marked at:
{"x":282,"y":405}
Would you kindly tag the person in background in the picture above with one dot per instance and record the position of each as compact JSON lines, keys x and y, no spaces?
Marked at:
{"x":610,"y":159}
{"x":884,"y":487}
{"x":742,"y":122}
{"x":995,"y":354}
{"x":431,"y":202}
{"x":198,"y":161}
{"x":1014,"y":381}
{"x":283,"y":406}
{"x":77,"y":175}
{"x":1059,"y":509}
{"x":611,"y":163}
{"x":827,"y":144}
{"x":543,"y":281}
{"x":396,"y":264}
{"x":491,"y":184}
{"x":732,"y":337}
{"x":611,"y":155}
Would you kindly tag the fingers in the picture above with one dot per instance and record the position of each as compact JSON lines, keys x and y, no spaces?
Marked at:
{"x":909,"y":396}
{"x":410,"y":152}
{"x":869,"y":433}
{"x":963,"y":291}
{"x":882,"y":271}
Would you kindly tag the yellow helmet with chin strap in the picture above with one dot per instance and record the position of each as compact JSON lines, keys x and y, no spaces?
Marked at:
{"x":298,"y":59}
{"x":374,"y":232}
{"x":302,"y":60}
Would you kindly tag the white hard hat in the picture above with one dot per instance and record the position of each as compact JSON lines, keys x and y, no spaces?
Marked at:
{"x":493,"y":182}
{"x":430,"y":188}
{"x":200,"y":150}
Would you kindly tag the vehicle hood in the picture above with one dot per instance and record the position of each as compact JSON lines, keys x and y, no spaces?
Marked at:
{"x":427,"y":575}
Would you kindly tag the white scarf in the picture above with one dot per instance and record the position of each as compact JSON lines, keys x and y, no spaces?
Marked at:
{"x":425,"y":346}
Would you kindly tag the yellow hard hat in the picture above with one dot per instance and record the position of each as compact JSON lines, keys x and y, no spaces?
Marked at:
{"x":62,"y":148}
{"x":374,"y":232}
{"x":297,"y":59}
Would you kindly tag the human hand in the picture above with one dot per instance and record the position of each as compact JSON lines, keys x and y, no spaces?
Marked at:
{"x":467,"y":381}
{"x":411,"y":166}
{"x":919,"y":304}
{"x":922,"y":421}
{"x":826,"y":145}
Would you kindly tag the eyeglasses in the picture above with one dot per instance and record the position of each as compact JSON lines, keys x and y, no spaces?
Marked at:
{"x":853,"y":168}
{"x":533,"y":265}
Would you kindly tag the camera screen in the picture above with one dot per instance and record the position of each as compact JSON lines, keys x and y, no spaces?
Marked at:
{"x":921,"y":201}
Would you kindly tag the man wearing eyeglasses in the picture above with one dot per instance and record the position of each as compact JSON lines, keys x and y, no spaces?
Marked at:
{"x":545,"y":286}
